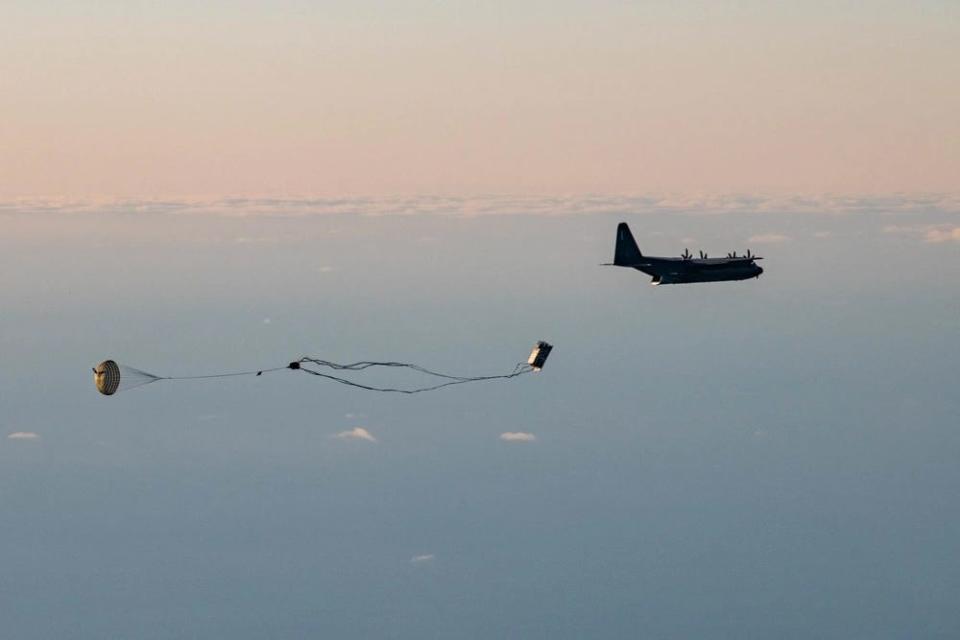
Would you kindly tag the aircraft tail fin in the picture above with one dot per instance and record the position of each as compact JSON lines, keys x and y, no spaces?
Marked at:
{"x":627,"y":252}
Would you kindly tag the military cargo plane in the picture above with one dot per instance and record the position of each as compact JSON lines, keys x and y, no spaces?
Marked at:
{"x":684,"y":269}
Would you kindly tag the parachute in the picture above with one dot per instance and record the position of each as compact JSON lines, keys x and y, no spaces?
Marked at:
{"x":110,"y":377}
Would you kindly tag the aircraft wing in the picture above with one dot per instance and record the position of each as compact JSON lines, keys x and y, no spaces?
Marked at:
{"x":724,"y":262}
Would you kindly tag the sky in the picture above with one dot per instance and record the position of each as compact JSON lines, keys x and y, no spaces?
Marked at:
{"x":185,"y":99}
{"x":194,"y":188}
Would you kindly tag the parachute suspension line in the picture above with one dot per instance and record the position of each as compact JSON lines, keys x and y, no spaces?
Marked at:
{"x":519,"y":370}
{"x":366,"y":364}
{"x":254,"y":372}
{"x":131,"y":378}
{"x":360,"y":366}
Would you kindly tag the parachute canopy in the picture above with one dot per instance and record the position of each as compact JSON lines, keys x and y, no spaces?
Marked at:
{"x":110,"y":377}
{"x":106,"y":376}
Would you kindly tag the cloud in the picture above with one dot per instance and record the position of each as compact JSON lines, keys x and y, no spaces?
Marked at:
{"x":517,"y":436}
{"x":768,"y":238}
{"x":473,"y":206}
{"x":899,"y":229}
{"x":23,"y":435}
{"x":357,"y":433}
{"x":931,"y":233}
{"x":940,"y":234}
{"x":256,"y":240}
{"x":427,"y":557}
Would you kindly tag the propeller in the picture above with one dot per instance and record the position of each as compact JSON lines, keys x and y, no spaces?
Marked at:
{"x":748,"y":255}
{"x":732,"y":255}
{"x":703,"y":255}
{"x":686,"y":254}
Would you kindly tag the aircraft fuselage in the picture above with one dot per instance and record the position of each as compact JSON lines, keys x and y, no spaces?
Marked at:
{"x":681,"y":271}
{"x":684,"y":269}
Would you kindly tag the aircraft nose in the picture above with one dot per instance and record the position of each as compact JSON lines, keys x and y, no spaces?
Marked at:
{"x":759,"y":271}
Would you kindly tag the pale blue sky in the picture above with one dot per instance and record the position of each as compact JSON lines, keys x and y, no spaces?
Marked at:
{"x":774,"y":458}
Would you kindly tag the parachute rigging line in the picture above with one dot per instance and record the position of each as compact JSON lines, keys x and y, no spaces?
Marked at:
{"x":519,"y":370}
{"x":110,"y":377}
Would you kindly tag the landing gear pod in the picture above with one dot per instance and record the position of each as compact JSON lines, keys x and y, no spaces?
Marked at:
{"x":539,"y":355}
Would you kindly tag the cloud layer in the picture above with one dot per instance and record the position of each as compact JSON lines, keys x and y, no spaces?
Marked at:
{"x":23,"y":435}
{"x":427,"y":557}
{"x":518,"y":436}
{"x":931,"y":233}
{"x":938,"y":235}
{"x":357,"y":433}
{"x":490,"y":205}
